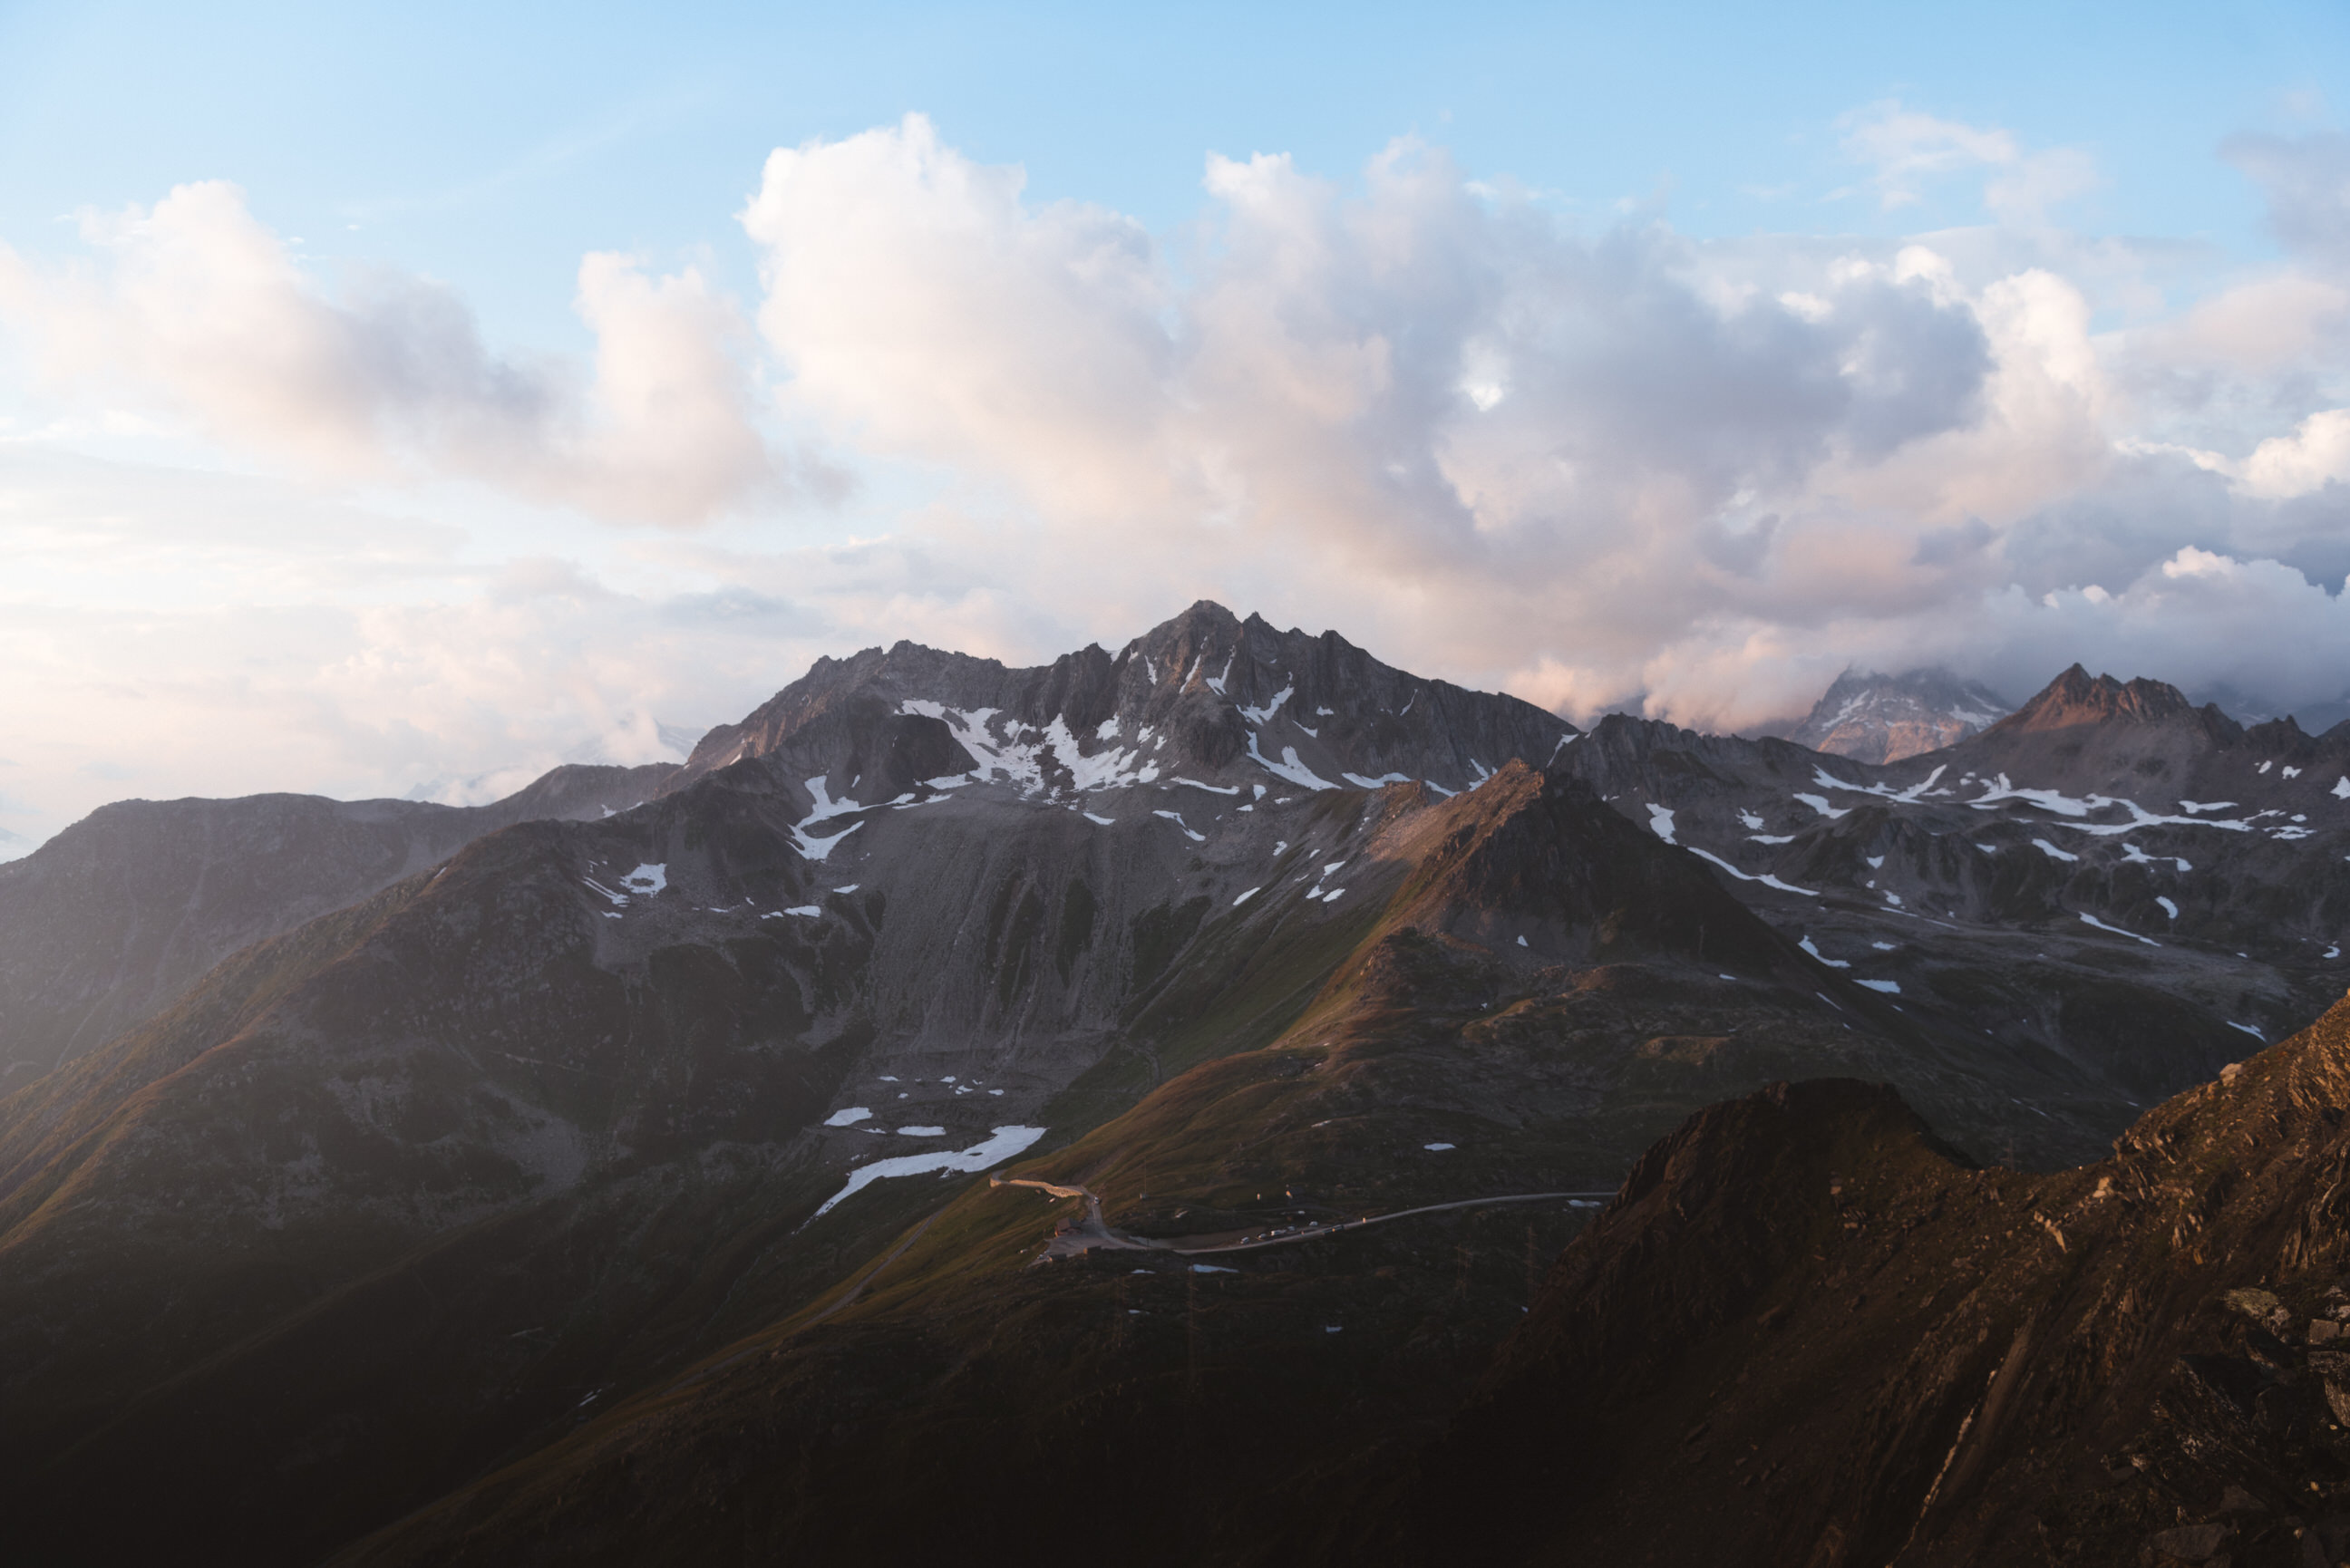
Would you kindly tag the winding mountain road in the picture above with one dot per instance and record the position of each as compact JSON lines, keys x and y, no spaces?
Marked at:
{"x":1093,"y":1233}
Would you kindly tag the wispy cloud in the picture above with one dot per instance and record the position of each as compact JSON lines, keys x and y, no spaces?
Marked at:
{"x":1907,"y":150}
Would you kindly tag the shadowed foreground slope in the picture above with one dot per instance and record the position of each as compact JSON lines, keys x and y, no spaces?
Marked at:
{"x":1806,"y":1334}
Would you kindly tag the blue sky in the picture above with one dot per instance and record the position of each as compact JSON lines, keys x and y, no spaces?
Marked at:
{"x":494,"y":144}
{"x":401,"y":398}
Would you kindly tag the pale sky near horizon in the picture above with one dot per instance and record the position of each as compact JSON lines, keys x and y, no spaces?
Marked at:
{"x":404,"y":399}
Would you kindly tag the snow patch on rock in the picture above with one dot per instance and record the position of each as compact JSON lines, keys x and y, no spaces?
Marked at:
{"x":1004,"y":1143}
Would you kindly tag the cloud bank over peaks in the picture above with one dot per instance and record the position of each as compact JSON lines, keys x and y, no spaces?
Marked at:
{"x":1419,"y":390}
{"x":1607,"y":466}
{"x":193,"y":308}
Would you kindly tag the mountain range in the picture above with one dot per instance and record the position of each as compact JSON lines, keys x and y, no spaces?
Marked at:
{"x":1297,"y":1109}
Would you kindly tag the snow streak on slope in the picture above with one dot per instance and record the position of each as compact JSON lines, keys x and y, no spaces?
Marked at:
{"x":1006,"y":1142}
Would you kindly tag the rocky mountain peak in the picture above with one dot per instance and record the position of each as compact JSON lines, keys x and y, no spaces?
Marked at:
{"x":2076,"y":698}
{"x":1877,"y":718}
{"x":1206,"y":696}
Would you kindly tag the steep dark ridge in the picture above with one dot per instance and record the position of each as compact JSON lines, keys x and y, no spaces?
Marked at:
{"x":104,"y":925}
{"x":1529,"y":853}
{"x":878,"y":681}
{"x":1622,"y":751}
{"x":2101,"y":736}
{"x":1205,"y":696}
{"x":859,"y":743}
{"x":1441,"y":1058}
{"x":1805,"y":1333}
{"x":2144,"y":739}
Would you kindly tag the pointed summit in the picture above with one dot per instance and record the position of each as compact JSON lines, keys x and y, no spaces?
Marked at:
{"x":2089,"y":734}
{"x":2075,"y":698}
{"x":1207,"y":615}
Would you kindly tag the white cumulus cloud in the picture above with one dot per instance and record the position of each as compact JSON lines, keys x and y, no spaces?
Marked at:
{"x":1607,"y":466}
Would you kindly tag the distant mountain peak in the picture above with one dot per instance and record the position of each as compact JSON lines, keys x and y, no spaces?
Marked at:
{"x":2076,"y":697}
{"x":1873,"y":717}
